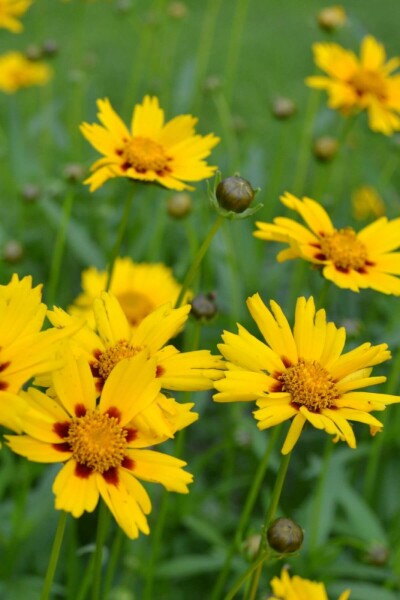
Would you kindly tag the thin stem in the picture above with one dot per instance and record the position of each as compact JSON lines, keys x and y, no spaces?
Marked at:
{"x":244,"y":517}
{"x":118,"y":240}
{"x":235,"y":38}
{"x":157,"y":538}
{"x":116,"y":548}
{"x":305,"y":144}
{"x":276,"y":494}
{"x":225,"y":117}
{"x":59,"y":248}
{"x":238,"y":584}
{"x":197,"y":260}
{"x":102,"y":526}
{"x":55,"y":553}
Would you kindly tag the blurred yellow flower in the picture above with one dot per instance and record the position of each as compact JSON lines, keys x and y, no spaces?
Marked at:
{"x":101,"y":442}
{"x":351,"y":260}
{"x":297,"y":588}
{"x":17,"y":72}
{"x":367,"y":202}
{"x":354,"y":84}
{"x":302,"y":373}
{"x":150,"y":151}
{"x":10,"y":10}
{"x":139,"y":288}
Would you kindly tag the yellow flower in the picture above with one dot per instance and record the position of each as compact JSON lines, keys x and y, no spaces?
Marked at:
{"x":367,"y":201}
{"x":101,"y":444}
{"x":297,"y":588}
{"x":25,"y":351}
{"x":351,"y":260}
{"x":356,"y":84}
{"x":139,"y":288}
{"x":10,"y":10}
{"x":115,"y":341}
{"x":302,"y":373}
{"x":151,"y":151}
{"x":17,"y":72}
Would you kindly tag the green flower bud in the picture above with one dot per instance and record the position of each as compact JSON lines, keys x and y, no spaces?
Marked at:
{"x":179,"y":205}
{"x":30,"y":192}
{"x":234,"y":193}
{"x":74,"y":172}
{"x":377,"y":554}
{"x":325,"y":148}
{"x":204,"y":307}
{"x":33,"y":52}
{"x":285,"y":536}
{"x":283,"y":108}
{"x":13,"y":252}
{"x":50,"y":48}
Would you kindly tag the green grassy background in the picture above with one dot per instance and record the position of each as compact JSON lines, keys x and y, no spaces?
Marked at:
{"x":106,"y":53}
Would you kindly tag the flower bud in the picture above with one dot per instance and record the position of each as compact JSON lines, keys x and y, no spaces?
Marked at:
{"x":212,"y":83}
{"x":283,"y":108}
{"x":204,"y":307}
{"x":13,"y":252}
{"x":377,"y":554}
{"x":251,"y":546}
{"x":179,"y":205}
{"x":33,"y":52}
{"x":331,"y":17}
{"x":50,"y":48}
{"x":235,"y":194}
{"x":177,"y":10}
{"x":30,"y":192}
{"x":285,"y":536}
{"x":74,"y":172}
{"x":325,"y":148}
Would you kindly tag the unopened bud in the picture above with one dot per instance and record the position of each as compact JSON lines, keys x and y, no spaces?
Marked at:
{"x":331,"y":17}
{"x":235,"y":194}
{"x":179,"y":205}
{"x":33,"y":52}
{"x":74,"y":172}
{"x":325,"y":148}
{"x":204,"y":307}
{"x":30,"y":192}
{"x":13,"y":252}
{"x":177,"y":10}
{"x":377,"y":555}
{"x":50,"y":48}
{"x":283,"y":108}
{"x":285,"y":536}
{"x":251,"y":546}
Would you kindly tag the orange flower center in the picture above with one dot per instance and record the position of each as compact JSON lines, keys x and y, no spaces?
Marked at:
{"x":97,"y":441}
{"x":135,"y":306}
{"x":113,"y":355}
{"x":310,"y":385}
{"x":344,"y":249}
{"x":369,"y":82}
{"x":144,"y":155}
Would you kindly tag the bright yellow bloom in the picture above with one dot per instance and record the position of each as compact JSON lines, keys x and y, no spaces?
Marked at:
{"x":139,"y":288}
{"x":151,"y":151}
{"x":25,"y":351}
{"x":351,"y":260}
{"x":17,"y":72}
{"x":364,"y":83}
{"x":297,"y":588}
{"x":10,"y":10}
{"x":302,"y":373}
{"x":115,"y":341}
{"x":101,"y":442}
{"x":367,"y":201}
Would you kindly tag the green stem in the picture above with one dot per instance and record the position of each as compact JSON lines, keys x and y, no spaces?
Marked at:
{"x":229,"y":136}
{"x":157,"y":538}
{"x":235,"y":37}
{"x":305,"y":144}
{"x":197,"y":260}
{"x":244,"y":517}
{"x":116,"y":549}
{"x":118,"y":240}
{"x":102,"y":526}
{"x":55,"y":553}
{"x":59,"y":249}
{"x":238,"y":584}
{"x":276,"y":494}
{"x":377,"y":447}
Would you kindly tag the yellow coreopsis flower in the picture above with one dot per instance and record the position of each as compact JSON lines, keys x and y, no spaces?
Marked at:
{"x":351,"y":260}
{"x":114,"y":340}
{"x":297,"y":588}
{"x":17,"y":72}
{"x":364,"y":83}
{"x":101,"y":442}
{"x":10,"y":10}
{"x":139,"y":288}
{"x":302,"y":374}
{"x":25,"y":350}
{"x":151,"y":151}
